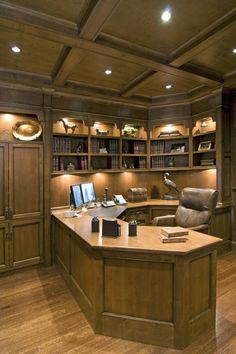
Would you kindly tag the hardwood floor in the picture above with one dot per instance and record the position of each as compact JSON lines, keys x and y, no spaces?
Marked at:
{"x":38,"y":314}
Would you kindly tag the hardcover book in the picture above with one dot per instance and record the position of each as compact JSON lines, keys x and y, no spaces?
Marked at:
{"x":175,"y":231}
{"x":176,"y":239}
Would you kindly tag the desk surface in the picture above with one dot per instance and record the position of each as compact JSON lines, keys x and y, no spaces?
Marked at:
{"x":147,"y":239}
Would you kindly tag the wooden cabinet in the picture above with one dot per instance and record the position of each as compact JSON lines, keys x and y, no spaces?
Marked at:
{"x":21,"y":204}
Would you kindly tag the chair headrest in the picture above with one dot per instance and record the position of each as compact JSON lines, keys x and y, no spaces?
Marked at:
{"x":199,"y":198}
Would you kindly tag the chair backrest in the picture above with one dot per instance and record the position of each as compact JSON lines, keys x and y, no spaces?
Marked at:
{"x":196,"y":206}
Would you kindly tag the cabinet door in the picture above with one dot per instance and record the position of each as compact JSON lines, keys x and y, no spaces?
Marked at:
{"x":4,"y":246}
{"x":3,"y":181}
{"x":26,"y":242}
{"x":25,"y":180}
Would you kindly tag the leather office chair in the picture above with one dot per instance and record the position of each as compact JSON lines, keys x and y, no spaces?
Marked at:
{"x":196,"y":206}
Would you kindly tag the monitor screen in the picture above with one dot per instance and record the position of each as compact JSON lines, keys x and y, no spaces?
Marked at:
{"x":77,"y":199}
{"x":88,"y":192}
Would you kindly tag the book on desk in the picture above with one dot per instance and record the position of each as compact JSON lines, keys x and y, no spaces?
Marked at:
{"x":173,"y":234}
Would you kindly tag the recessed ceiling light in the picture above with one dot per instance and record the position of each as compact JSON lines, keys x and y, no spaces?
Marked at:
{"x":166,"y":15}
{"x":234,"y":50}
{"x":108,"y":71}
{"x":168,"y":87}
{"x":15,"y":49}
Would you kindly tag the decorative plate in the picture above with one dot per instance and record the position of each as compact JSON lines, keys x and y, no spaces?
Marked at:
{"x":27,"y":130}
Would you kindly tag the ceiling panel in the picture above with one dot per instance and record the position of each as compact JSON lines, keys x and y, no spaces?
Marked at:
{"x":37,"y":56}
{"x":91,"y":71}
{"x":71,"y":10}
{"x":139,"y":21}
{"x":157,"y":86}
{"x":219,"y":57}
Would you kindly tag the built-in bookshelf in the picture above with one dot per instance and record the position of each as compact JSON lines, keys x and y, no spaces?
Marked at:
{"x":204,"y":143}
{"x":70,"y":146}
{"x":169,"y":147}
{"x":80,"y":147}
{"x":134,"y":147}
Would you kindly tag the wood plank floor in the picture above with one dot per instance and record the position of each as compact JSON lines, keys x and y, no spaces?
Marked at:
{"x":38,"y":314}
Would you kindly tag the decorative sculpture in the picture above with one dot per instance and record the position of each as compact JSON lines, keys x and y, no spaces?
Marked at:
{"x":173,"y":192}
{"x":68,"y":125}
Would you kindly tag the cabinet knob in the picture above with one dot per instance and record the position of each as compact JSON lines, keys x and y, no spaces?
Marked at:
{"x":6,"y":234}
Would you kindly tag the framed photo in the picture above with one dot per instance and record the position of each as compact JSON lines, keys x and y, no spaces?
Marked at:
{"x":180,"y":147}
{"x":205,"y":145}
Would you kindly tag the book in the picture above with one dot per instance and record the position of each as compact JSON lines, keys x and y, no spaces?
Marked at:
{"x":174,"y":231}
{"x":166,"y":239}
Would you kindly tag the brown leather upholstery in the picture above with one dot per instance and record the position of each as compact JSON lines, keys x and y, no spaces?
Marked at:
{"x":196,"y":206}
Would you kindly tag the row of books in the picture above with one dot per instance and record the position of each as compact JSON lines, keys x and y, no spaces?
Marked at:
{"x":107,"y":162}
{"x":158,"y":161}
{"x":111,"y":146}
{"x":157,"y":147}
{"x":173,"y":234}
{"x":134,"y":147}
{"x":60,"y":164}
{"x":61,"y":144}
{"x":137,"y":162}
{"x":207,"y":162}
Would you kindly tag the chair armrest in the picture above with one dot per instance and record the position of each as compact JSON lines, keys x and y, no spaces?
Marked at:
{"x":166,"y":220}
{"x":200,"y":228}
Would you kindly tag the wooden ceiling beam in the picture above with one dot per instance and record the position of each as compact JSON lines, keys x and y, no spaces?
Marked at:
{"x":36,"y":18}
{"x":97,"y":18}
{"x":113,"y":50}
{"x":230,"y":80}
{"x":203,"y":40}
{"x":72,"y":59}
{"x":139,"y":82}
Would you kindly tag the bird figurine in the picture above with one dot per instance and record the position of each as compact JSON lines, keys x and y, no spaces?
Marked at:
{"x":173,"y":190}
{"x":68,"y":125}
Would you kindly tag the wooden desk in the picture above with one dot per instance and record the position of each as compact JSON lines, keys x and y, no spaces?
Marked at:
{"x":137,"y":287}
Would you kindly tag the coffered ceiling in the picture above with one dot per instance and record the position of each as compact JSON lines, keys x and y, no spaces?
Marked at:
{"x":67,"y":46}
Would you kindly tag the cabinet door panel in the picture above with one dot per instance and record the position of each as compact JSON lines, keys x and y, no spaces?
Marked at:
{"x":26,"y":242}
{"x":3,"y":181}
{"x":4,"y":252}
{"x":26,"y":180}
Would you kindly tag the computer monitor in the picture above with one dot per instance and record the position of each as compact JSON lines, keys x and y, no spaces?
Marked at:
{"x":88,"y":192}
{"x":76,"y":195}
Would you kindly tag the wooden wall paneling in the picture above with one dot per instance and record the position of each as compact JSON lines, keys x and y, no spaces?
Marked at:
{"x":221,"y":224}
{"x":3,"y":181}
{"x":47,"y":158}
{"x":96,"y":106}
{"x":4,"y":247}
{"x":119,"y":183}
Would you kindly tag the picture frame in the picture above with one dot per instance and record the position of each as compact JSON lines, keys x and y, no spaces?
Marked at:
{"x":204,"y":145}
{"x":178,"y":148}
